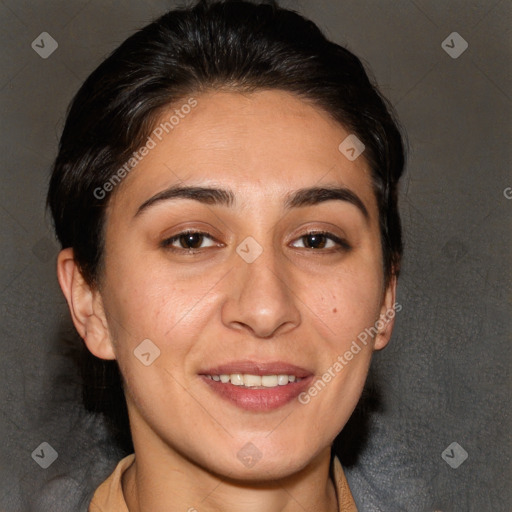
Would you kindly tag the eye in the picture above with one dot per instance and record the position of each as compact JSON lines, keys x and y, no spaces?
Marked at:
{"x":189,"y":241}
{"x":321,"y":240}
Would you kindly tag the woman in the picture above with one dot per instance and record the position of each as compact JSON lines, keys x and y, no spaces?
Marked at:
{"x":225,"y":195}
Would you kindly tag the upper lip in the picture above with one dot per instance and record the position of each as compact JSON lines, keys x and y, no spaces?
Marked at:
{"x":257,"y":368}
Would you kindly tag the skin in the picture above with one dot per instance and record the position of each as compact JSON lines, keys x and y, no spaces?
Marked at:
{"x":294,"y":303}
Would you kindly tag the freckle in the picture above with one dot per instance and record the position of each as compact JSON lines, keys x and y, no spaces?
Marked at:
{"x":334,"y":310}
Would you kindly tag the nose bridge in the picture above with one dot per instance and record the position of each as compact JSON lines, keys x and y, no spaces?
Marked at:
{"x":261,"y":299}
{"x":264,"y":278}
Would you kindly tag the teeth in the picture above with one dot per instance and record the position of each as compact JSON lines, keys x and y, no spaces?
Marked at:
{"x":255,"y":381}
{"x":237,"y":379}
{"x":269,"y":381}
{"x":284,"y":379}
{"x":251,"y":380}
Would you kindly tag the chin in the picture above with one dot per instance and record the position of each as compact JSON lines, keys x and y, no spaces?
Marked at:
{"x":264,"y":460}
{"x":265,"y":470}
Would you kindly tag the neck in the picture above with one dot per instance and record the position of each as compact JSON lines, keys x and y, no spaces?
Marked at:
{"x":161,"y":480}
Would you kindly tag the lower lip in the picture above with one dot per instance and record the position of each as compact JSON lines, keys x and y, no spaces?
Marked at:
{"x":259,"y":400}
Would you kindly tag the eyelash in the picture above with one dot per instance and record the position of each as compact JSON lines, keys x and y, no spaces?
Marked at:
{"x":343,"y":245}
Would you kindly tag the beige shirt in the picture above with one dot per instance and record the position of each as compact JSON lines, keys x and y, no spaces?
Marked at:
{"x":109,"y":495}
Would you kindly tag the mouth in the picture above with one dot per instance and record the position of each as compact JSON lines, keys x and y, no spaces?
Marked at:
{"x":257,"y":386}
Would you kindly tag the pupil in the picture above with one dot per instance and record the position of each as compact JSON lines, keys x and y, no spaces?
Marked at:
{"x":191,"y":240}
{"x":316,"y":241}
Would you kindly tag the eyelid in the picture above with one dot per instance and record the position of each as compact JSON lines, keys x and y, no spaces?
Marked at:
{"x":341,"y":242}
{"x":168,"y":241}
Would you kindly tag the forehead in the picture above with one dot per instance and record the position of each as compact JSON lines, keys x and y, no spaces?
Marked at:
{"x":262,"y":144}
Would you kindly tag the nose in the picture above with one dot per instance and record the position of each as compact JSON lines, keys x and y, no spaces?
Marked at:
{"x":261,"y":298}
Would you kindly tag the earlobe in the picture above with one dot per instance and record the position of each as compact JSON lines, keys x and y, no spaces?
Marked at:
{"x":85,"y":305}
{"x":387,"y":315}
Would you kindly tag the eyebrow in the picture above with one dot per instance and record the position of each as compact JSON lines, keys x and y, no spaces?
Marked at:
{"x":217,"y":196}
{"x":317,"y":195}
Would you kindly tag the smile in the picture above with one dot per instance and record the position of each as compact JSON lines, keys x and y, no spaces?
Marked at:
{"x":255,"y":385}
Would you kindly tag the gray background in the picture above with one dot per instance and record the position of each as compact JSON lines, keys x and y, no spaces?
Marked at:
{"x":444,"y":378}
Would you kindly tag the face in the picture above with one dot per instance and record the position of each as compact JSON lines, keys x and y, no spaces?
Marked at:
{"x":266,"y":278}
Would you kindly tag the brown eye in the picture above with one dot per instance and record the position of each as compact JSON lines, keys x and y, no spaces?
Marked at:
{"x":321,"y":240}
{"x":189,"y":240}
{"x":315,"y":241}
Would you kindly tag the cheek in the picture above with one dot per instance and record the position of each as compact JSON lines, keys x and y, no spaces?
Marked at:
{"x":161,"y":303}
{"x":158,"y":321}
{"x":344,"y":303}
{"x":342,"y":310}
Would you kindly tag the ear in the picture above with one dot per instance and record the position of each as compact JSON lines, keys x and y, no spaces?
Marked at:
{"x":386,"y":319}
{"x":85,"y":305}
